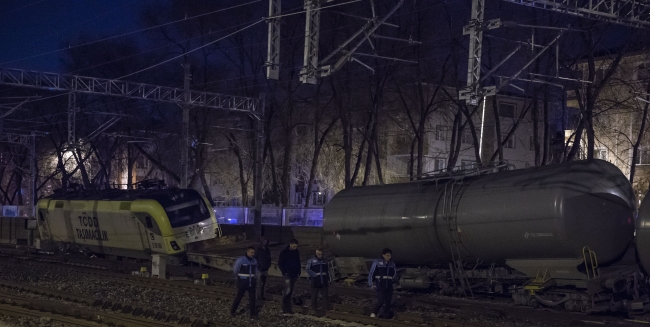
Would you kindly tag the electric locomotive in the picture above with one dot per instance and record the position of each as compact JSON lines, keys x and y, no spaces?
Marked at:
{"x":128,"y":223}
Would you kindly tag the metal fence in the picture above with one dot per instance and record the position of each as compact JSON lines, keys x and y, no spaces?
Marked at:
{"x":271,"y":216}
{"x":15,"y":211}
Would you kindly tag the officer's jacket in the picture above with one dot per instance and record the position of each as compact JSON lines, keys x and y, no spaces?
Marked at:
{"x":382,"y":274}
{"x":245,"y":269}
{"x":317,"y":269}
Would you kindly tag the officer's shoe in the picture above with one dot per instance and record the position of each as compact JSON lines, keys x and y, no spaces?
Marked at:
{"x":372,"y":315}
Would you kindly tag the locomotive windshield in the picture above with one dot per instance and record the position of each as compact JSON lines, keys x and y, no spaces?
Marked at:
{"x":184,"y":208}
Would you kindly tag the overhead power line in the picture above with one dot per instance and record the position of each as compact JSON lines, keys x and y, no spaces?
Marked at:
{"x":128,"y":33}
{"x":19,"y":8}
{"x":199,"y":48}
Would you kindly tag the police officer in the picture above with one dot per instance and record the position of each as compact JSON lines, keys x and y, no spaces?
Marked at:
{"x":382,"y":275}
{"x":245,"y":271}
{"x":289,"y":264}
{"x":263,"y":257}
{"x":317,"y":269}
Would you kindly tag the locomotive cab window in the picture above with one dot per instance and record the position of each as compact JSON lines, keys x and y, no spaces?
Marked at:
{"x":184,"y":208}
{"x":149,"y":222}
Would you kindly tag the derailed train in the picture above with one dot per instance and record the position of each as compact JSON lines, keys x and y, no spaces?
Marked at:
{"x":132,"y":224}
{"x":557,"y":235}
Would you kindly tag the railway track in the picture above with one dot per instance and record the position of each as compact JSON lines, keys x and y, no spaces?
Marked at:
{"x":75,"y":315}
{"x":346,"y":313}
{"x":356,"y":314}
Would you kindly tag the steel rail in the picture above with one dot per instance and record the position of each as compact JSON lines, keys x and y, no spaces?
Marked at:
{"x":359,"y":314}
{"x":126,"y":319}
{"x":339,"y":312}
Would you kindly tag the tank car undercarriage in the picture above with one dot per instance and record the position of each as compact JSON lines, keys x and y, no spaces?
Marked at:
{"x":622,"y":289}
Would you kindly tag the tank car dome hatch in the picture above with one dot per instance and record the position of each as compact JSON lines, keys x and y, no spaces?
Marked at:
{"x":548,"y":212}
{"x":643,"y":234}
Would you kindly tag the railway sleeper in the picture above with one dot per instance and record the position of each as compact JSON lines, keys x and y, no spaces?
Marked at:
{"x":129,"y":310}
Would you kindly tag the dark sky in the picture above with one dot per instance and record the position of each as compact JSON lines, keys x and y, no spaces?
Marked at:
{"x":30,"y":28}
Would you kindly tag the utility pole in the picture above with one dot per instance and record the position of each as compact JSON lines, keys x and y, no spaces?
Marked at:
{"x":259,"y":166}
{"x":473,"y":92}
{"x":309,"y":71}
{"x":185,"y":143}
{"x":72,"y":118}
{"x":273,"y":52}
{"x":32,"y":172}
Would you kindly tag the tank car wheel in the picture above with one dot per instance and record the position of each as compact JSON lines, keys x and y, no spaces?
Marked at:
{"x":533,"y":303}
{"x":570,"y":305}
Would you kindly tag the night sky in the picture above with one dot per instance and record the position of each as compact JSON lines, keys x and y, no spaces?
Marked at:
{"x":31,"y":28}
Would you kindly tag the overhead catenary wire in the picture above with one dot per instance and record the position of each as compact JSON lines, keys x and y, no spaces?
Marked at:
{"x":426,"y":8}
{"x":195,"y":49}
{"x":23,"y":7}
{"x":152,"y":67}
{"x":200,"y":36}
{"x":128,"y":33}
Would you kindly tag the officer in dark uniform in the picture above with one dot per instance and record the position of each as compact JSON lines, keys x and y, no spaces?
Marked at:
{"x":245,"y":271}
{"x":289,"y":264}
{"x":317,"y":269}
{"x":382,"y":276}
{"x":263,"y":257}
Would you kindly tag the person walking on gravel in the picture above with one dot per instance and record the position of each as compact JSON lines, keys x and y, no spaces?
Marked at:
{"x":245,"y":272}
{"x":263,"y":257}
{"x":317,"y":269}
{"x":289,"y":264}
{"x":382,"y":276}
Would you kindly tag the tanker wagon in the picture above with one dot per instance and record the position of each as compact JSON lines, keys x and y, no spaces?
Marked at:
{"x":557,"y":235}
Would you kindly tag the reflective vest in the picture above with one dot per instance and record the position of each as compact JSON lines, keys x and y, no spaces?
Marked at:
{"x":318,"y":270}
{"x":245,"y":270}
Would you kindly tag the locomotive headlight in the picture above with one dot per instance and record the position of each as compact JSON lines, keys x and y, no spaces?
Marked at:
{"x":175,"y":245}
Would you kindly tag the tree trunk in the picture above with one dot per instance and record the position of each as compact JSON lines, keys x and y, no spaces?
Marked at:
{"x":274,"y":179}
{"x":206,"y":188}
{"x":286,"y":166}
{"x":243,"y":182}
{"x":535,"y":117}
{"x":637,"y":144}
{"x":497,"y":125}
{"x":318,"y":145}
{"x":546,"y":129}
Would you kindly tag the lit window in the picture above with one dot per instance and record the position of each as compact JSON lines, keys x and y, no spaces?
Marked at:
{"x":467,"y":137}
{"x":510,"y":143}
{"x":440,"y":164}
{"x":643,"y":157}
{"x":467,"y":164}
{"x":441,"y":133}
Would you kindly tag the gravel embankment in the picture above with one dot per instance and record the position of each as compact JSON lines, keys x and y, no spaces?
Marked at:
{"x":171,"y":302}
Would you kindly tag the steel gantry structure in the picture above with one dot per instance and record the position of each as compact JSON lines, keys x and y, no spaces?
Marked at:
{"x":126,"y":89}
{"x":183,"y":97}
{"x":314,"y":68}
{"x":634,"y":13}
